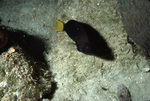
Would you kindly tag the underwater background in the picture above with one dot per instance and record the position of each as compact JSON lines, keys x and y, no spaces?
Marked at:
{"x":39,"y":63}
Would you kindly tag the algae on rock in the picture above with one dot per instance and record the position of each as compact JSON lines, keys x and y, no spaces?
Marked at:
{"x":17,"y":77}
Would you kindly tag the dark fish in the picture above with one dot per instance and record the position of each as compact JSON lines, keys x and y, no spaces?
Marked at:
{"x":87,"y":39}
{"x":78,"y":34}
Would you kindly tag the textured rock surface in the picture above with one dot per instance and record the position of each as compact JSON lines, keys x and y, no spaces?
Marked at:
{"x":81,"y":77}
{"x":136,"y":20}
{"x":17,"y":78}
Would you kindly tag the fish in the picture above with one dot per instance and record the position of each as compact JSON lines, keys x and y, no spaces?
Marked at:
{"x":77,"y":33}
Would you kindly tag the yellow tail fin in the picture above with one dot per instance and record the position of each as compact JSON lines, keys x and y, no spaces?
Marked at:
{"x":59,"y":26}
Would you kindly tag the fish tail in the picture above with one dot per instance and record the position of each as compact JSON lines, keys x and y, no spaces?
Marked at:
{"x":59,"y":26}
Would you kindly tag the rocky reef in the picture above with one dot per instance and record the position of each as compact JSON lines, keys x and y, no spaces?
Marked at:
{"x":136,"y":20}
{"x":23,"y":76}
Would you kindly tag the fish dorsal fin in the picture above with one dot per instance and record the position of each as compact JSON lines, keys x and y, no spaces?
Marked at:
{"x":59,"y":26}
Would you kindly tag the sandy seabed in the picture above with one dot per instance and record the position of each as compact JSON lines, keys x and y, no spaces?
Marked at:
{"x":82,"y":77}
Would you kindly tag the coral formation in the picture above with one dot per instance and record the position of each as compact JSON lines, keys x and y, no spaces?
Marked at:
{"x":18,"y":80}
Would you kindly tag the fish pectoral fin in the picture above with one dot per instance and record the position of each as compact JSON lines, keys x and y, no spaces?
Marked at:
{"x":59,"y":26}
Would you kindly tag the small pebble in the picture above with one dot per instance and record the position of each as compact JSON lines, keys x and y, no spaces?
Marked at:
{"x":123,"y":93}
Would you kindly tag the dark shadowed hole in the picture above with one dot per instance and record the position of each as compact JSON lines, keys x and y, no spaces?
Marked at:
{"x":33,"y":48}
{"x":50,"y":94}
{"x":32,"y":45}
